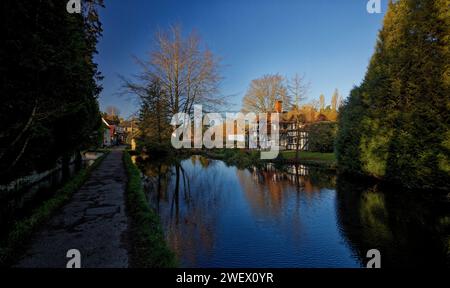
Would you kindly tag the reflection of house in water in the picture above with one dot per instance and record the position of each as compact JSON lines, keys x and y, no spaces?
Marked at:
{"x":291,"y":171}
{"x":263,"y":194}
{"x":269,"y":188}
{"x":294,"y":173}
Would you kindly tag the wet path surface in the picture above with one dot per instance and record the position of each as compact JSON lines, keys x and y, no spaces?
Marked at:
{"x":94,"y":222}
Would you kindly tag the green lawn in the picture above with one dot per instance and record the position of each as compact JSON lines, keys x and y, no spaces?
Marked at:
{"x":316,"y":156}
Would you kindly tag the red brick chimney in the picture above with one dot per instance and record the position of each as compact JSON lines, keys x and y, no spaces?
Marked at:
{"x":279,"y":106}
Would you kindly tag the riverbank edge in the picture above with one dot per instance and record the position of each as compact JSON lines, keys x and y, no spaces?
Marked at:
{"x":316,"y":159}
{"x":237,"y":157}
{"x":24,"y":229}
{"x":148,"y":247}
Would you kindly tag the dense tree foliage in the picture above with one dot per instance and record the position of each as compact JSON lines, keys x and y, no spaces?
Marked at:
{"x":322,"y":136}
{"x":49,"y":86}
{"x":396,"y":124}
{"x":154,"y":117}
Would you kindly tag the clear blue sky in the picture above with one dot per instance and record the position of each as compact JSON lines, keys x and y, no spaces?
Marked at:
{"x":328,"y":41}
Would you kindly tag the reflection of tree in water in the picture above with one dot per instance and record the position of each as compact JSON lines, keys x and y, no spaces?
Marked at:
{"x":272,"y":198}
{"x":375,"y":215}
{"x":185,"y":193}
{"x":408,"y":230}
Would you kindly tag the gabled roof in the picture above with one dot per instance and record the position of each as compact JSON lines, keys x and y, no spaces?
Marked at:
{"x":106,"y":122}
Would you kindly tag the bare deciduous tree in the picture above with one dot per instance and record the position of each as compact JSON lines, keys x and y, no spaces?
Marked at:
{"x":185,"y":74}
{"x":264,"y":92}
{"x":298,"y":89}
{"x":188,"y":73}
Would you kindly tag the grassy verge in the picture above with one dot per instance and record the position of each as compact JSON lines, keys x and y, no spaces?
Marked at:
{"x":148,"y":246}
{"x":24,"y":229}
{"x":303,"y":155}
{"x":240,"y":158}
{"x":325,"y":160}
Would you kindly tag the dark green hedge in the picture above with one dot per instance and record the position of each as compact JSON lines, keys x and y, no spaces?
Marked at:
{"x":322,"y":136}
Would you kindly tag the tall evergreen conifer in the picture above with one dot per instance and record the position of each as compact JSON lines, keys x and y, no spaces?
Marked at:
{"x":400,"y":127}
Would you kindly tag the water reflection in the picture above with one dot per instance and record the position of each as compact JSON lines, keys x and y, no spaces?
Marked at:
{"x":269,"y":189}
{"x":216,"y":215}
{"x":409,"y":231}
{"x":182,"y":196}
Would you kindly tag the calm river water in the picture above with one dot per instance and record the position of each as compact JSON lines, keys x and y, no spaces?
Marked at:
{"x":215,"y":215}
